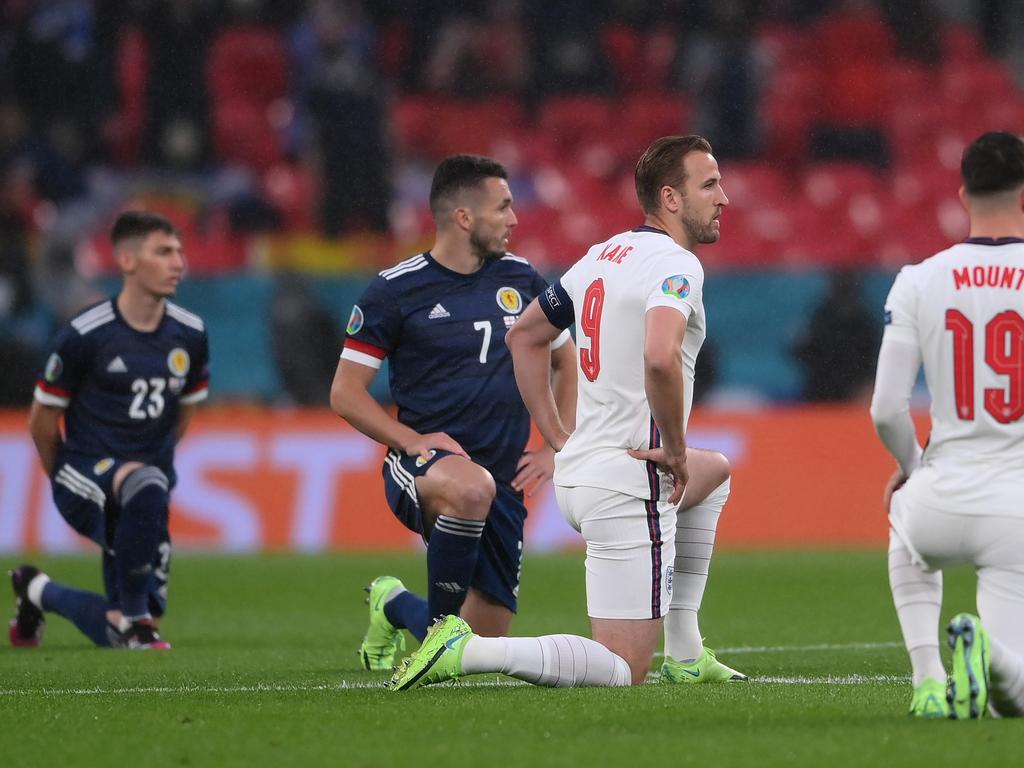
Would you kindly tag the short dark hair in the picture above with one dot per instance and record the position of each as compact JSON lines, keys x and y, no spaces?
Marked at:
{"x":993,"y":163}
{"x":460,"y":172}
{"x":661,"y":165}
{"x":139,"y":224}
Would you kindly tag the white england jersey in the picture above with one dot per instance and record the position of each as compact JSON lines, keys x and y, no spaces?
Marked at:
{"x":611,"y":289}
{"x":964,"y":309}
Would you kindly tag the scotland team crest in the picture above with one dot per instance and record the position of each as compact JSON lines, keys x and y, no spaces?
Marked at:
{"x":178,"y":361}
{"x":355,"y":320}
{"x":102,"y":466}
{"x":677,"y":287}
{"x":420,"y":461}
{"x":510,"y":300}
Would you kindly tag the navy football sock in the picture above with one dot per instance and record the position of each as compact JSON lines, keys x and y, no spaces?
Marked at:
{"x":451,"y":559}
{"x":140,"y":529}
{"x":407,"y":610}
{"x":86,"y":610}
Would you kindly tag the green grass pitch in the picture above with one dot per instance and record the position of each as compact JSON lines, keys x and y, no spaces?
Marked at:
{"x":264,"y":672}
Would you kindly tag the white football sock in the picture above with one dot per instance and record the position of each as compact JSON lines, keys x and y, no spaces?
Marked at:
{"x":917,"y":596}
{"x":1002,"y":615}
{"x":1007,"y":691}
{"x":35,"y":588}
{"x":695,"y":541}
{"x":560,"y":661}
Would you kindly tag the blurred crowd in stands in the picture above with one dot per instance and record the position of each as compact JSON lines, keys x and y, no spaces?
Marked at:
{"x":301,"y":135}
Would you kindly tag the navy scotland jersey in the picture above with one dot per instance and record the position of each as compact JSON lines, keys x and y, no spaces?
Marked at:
{"x":443,"y":334}
{"x":121,"y":387}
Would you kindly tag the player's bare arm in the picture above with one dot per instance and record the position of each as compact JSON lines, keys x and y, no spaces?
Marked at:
{"x":351,"y":399}
{"x":898,"y":365}
{"x":529,"y":341}
{"x":44,"y":426}
{"x":663,"y":382}
{"x":535,"y":468}
{"x":185,"y":414}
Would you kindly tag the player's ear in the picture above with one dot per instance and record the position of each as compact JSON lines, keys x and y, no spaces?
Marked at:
{"x":463,"y":218}
{"x":125,"y":255}
{"x":962,"y":194}
{"x":670,"y":199}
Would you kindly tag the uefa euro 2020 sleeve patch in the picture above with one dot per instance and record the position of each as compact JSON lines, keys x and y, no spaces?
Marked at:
{"x":355,"y":321}
{"x":677,"y":286}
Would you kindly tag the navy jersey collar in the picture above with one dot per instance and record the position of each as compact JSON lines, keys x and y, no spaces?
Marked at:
{"x":460,"y":275}
{"x":120,"y":318}
{"x":652,"y":230}
{"x":993,"y":240}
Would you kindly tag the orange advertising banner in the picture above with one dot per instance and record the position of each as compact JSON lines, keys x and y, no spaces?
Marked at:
{"x":252,"y":479}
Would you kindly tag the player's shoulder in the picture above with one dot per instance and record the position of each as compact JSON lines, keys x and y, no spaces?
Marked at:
{"x":403,"y":271}
{"x":919,"y":273}
{"x":185,"y":319}
{"x":514,"y":266}
{"x":94,"y":316}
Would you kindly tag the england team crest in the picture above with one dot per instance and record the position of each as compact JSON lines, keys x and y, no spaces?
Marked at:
{"x":510,"y":300}
{"x":178,"y":361}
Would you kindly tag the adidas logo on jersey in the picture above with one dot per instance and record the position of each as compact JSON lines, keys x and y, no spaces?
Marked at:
{"x":438,"y":312}
{"x":117,"y":366}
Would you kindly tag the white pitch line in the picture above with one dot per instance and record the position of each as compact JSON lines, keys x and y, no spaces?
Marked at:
{"x":346,"y":685}
{"x":814,"y":647}
{"x":343,"y":685}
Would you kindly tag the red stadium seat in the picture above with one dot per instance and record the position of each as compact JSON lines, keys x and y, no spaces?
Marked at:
{"x":242,"y":135}
{"x":248,"y":62}
{"x":292,"y":190}
{"x":570,"y":120}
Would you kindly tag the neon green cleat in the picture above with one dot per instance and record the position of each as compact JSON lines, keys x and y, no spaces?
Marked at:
{"x":967,"y":687}
{"x":929,"y":699}
{"x":706,"y":669}
{"x":438,"y":659}
{"x":382,"y":640}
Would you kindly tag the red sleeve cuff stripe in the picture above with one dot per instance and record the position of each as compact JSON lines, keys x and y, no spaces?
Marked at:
{"x":366,"y":349}
{"x":197,"y":386}
{"x":52,"y":389}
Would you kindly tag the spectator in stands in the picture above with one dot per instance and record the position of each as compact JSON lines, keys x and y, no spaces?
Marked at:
{"x":563,"y":47}
{"x":345,"y":98}
{"x":837,"y":347}
{"x":480,"y":54}
{"x":854,"y":44}
{"x":306,"y":340}
{"x":177,"y":110}
{"x":18,"y":357}
{"x":717,"y":64}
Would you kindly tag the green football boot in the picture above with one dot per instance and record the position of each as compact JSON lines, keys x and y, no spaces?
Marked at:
{"x":929,"y":699}
{"x":382,"y":640}
{"x":967,"y":687}
{"x":706,"y":669}
{"x":438,"y":659}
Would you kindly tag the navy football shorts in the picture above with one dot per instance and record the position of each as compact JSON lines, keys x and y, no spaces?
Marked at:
{"x":501,"y":546}
{"x":84,"y":495}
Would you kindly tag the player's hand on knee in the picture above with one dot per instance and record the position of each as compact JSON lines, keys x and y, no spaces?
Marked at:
{"x":895,"y":483}
{"x":672,"y":465}
{"x":534,"y":469}
{"x":434,"y":441}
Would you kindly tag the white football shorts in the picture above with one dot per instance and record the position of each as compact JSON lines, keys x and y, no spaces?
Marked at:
{"x":630,"y":551}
